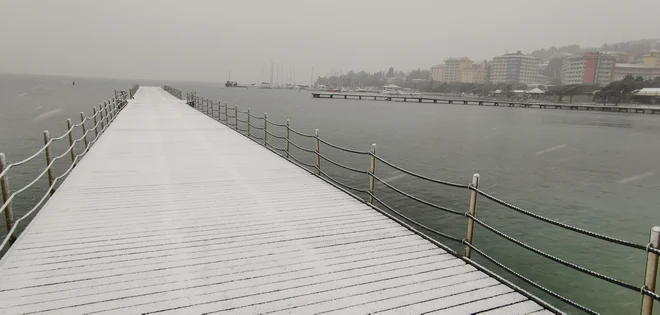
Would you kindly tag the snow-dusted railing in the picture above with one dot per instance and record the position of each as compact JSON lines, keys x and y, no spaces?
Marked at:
{"x":232,"y":116}
{"x":98,"y":121}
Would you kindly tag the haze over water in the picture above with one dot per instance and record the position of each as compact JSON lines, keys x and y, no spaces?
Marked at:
{"x":590,"y":169}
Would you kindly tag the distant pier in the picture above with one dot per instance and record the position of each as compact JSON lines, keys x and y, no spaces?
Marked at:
{"x":483,"y":102}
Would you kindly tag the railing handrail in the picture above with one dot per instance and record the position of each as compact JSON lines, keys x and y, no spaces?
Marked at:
{"x":107,"y":112}
{"x":652,"y":249}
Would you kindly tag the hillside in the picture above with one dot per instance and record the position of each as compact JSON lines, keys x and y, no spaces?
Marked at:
{"x":635,"y":48}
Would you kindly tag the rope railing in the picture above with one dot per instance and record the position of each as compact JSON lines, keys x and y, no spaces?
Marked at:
{"x":530,"y":282}
{"x":274,"y":135}
{"x":652,"y":249}
{"x":343,"y":149}
{"x":423,"y":226}
{"x":559,"y":224}
{"x":433,"y":180}
{"x":343,"y":166}
{"x":555,"y":259}
{"x":275,"y":124}
{"x":105,"y":115}
{"x":301,"y":134}
{"x":422,"y":201}
{"x":301,"y":148}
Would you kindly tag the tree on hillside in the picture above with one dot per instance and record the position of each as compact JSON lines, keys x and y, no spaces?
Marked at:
{"x":570,"y":90}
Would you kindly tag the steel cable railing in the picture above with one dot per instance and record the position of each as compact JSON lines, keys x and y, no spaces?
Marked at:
{"x":472,"y":219}
{"x":103,"y":117}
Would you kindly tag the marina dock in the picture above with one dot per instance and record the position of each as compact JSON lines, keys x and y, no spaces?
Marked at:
{"x":174,"y":208}
{"x":486,"y":102}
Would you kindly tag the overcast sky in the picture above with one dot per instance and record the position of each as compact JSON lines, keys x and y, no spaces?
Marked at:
{"x":202,"y":40}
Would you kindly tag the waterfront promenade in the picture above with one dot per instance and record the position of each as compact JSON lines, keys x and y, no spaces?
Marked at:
{"x":642,"y":109}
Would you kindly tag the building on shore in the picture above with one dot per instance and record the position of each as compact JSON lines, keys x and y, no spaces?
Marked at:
{"x":620,"y":56}
{"x":515,"y":68}
{"x":454,"y":68}
{"x":461,"y":70}
{"x":652,"y":58}
{"x":474,"y":74}
{"x":621,"y":70}
{"x":588,"y":68}
{"x":437,"y":73}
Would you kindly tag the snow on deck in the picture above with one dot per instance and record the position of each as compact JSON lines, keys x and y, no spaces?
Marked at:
{"x":172,"y":212}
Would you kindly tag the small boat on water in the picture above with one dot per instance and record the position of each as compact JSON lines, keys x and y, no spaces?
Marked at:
{"x":231,"y":84}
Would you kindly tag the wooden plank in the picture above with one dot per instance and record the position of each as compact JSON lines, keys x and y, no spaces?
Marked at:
{"x":525,"y":307}
{"x":171,"y":211}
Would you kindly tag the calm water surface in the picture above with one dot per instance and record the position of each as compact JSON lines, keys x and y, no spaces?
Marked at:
{"x":593,"y":170}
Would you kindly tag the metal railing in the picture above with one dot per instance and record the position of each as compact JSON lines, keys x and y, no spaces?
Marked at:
{"x":99,"y":121}
{"x":231,"y":116}
{"x":175,"y":92}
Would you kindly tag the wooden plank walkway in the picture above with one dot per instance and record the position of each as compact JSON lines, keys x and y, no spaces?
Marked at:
{"x":172,"y":212}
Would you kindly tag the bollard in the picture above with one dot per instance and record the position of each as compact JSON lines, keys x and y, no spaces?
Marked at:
{"x":372,"y":170}
{"x":96,"y":128}
{"x":84,"y":129}
{"x":287,"y":139}
{"x":473,"y":212}
{"x":72,"y":152}
{"x":248,"y":120}
{"x":651,"y":271}
{"x":318,"y":157}
{"x":49,"y":159}
{"x":265,"y":129}
{"x":6,"y":193}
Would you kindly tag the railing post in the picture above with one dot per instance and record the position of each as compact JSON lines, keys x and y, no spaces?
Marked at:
{"x":287,"y":138}
{"x":6,"y":193}
{"x":265,"y":129}
{"x":248,"y":120}
{"x":96,"y":128}
{"x":49,"y":159}
{"x":226,"y":112}
{"x":102,"y":117}
{"x":473,"y":212}
{"x":236,"y":117}
{"x":372,"y":171}
{"x":651,"y":271}
{"x":318,"y":157}
{"x":84,"y":129}
{"x":107,"y":114}
{"x":73,"y":150}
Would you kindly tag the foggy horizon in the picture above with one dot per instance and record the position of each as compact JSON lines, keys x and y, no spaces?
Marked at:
{"x":204,"y":40}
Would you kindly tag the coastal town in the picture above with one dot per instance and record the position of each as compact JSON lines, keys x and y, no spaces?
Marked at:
{"x":559,"y":74}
